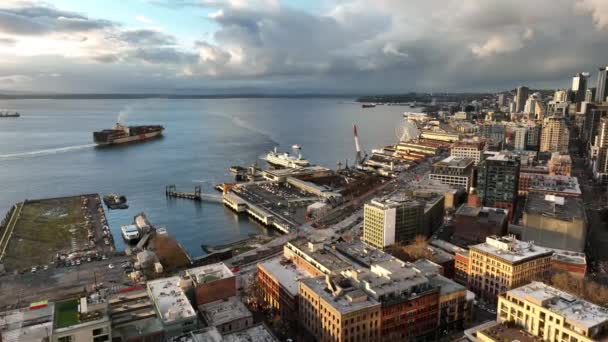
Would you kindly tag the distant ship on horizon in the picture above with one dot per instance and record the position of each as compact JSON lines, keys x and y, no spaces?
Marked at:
{"x":8,"y":114}
{"x":120,"y":134}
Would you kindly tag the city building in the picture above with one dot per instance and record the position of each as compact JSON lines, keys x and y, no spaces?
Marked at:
{"x":133,"y":316}
{"x":549,"y":185}
{"x":456,"y":171}
{"x":473,"y":223}
{"x":172,"y":305}
{"x":81,"y":320}
{"x":402,"y":291}
{"x":313,"y":257}
{"x":573,"y":263}
{"x":31,"y":323}
{"x":590,"y":95}
{"x":519,"y":137}
{"x":388,"y":221}
{"x":599,"y":152}
{"x":601,"y":90}
{"x":579,"y":87}
{"x":552,"y":314}
{"x":212,"y":282}
{"x":278,"y":280}
{"x":520,"y":98}
{"x":501,"y":99}
{"x":455,"y":303}
{"x":554,"y":135}
{"x":560,"y":164}
{"x":434,"y":208}
{"x":493,"y":133}
{"x":503,"y":263}
{"x":498,"y":181}
{"x":560,"y":95}
{"x":555,"y":222}
{"x":227,"y":315}
{"x":472,"y":149}
{"x":333,"y":309}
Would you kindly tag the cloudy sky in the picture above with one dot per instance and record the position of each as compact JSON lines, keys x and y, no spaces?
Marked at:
{"x":207,"y":46}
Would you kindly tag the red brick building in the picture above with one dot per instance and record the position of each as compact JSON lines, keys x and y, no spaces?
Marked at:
{"x":212,"y":282}
{"x":278,"y":279}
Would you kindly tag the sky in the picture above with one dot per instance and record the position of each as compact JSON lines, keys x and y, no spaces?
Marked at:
{"x":298,"y":46}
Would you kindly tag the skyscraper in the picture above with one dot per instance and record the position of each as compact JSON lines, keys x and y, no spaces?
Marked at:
{"x":601,"y":91}
{"x":501,"y":100}
{"x":554,"y":135}
{"x":520,"y":98}
{"x":498,"y":180}
{"x":590,"y":95}
{"x":579,"y":86}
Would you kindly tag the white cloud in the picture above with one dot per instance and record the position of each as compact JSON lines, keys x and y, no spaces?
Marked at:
{"x":143,"y":19}
{"x":598,"y":9}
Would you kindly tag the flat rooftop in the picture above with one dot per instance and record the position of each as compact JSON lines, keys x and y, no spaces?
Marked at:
{"x":343,"y":302}
{"x":568,"y":209}
{"x":257,"y":333}
{"x":569,"y":256}
{"x":454,"y":162}
{"x":483,"y":214}
{"x":446,"y":246}
{"x":547,"y":183}
{"x":224,"y":311}
{"x":209,"y":273}
{"x":576,"y":311}
{"x":503,"y":332}
{"x":446,"y":286}
{"x":510,"y":249}
{"x":321,"y":255}
{"x":500,"y":156}
{"x":286,"y":273}
{"x":394,"y":202}
{"x":361,"y":253}
{"x":26,"y":325}
{"x":169,"y":299}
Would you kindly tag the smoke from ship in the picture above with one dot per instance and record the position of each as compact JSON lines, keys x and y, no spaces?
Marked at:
{"x":124,"y":113}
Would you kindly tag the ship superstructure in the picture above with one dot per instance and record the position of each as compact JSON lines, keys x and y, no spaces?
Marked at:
{"x":120,"y":134}
{"x":284,"y":159}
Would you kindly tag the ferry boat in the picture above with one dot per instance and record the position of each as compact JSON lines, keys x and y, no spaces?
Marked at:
{"x":285,"y":159}
{"x":7,"y":114}
{"x":130,"y":233}
{"x":120,"y":134}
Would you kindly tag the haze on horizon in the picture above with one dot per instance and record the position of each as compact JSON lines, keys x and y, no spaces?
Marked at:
{"x":338,"y":46}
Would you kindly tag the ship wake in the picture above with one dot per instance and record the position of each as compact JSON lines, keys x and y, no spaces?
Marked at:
{"x":45,"y":152}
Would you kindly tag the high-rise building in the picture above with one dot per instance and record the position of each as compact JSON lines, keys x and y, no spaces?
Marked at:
{"x":519,"y":137}
{"x":520,"y":98}
{"x":560,"y":164}
{"x":560,"y":95}
{"x":504,"y":263}
{"x":600,"y":151}
{"x":554,"y":135}
{"x":386,"y":222}
{"x":494,"y":133}
{"x":601,"y":91}
{"x":579,"y":86}
{"x":501,"y":100}
{"x":497,"y":181}
{"x":590,"y":94}
{"x":550,"y":314}
{"x":532,"y":136}
{"x":456,"y":171}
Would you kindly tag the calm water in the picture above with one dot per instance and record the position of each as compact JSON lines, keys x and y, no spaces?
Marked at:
{"x":48,"y":152}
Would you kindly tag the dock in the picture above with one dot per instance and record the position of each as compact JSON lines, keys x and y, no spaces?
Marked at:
{"x":197,"y":195}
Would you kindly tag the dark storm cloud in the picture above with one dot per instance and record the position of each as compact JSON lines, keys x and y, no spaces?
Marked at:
{"x":34,"y":19}
{"x":146,"y":37}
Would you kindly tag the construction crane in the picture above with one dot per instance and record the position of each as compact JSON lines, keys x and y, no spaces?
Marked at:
{"x":360,"y":155}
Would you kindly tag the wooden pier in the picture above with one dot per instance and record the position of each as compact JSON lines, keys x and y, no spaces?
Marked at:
{"x":197,"y":195}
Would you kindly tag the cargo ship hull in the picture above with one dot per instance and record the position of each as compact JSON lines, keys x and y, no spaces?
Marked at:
{"x":123,"y":135}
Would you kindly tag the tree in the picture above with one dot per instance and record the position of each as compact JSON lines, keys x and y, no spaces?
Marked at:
{"x":585,"y":289}
{"x":417,"y":249}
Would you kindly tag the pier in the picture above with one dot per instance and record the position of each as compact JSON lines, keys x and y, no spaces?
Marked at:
{"x":197,"y":195}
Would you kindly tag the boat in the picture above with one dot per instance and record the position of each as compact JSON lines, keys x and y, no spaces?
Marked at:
{"x":368,"y":105}
{"x":120,"y":134}
{"x":284,"y":159}
{"x":130,"y":233}
{"x":7,"y":114}
{"x":296,"y":147}
{"x":114,"y":201}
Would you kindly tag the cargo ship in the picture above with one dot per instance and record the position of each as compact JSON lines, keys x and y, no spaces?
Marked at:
{"x":284,"y":159}
{"x":120,"y":134}
{"x":7,"y":114}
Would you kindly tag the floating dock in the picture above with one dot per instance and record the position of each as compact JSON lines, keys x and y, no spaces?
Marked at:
{"x":197,"y":195}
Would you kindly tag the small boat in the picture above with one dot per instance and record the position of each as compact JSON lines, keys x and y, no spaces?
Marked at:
{"x":368,"y":105}
{"x":130,"y":233}
{"x":296,"y":147}
{"x":114,"y":201}
{"x":7,"y":114}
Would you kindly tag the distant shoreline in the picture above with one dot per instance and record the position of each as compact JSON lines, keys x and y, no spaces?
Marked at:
{"x":168,"y":96}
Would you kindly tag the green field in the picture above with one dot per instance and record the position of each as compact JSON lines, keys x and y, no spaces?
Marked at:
{"x":44,"y":228}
